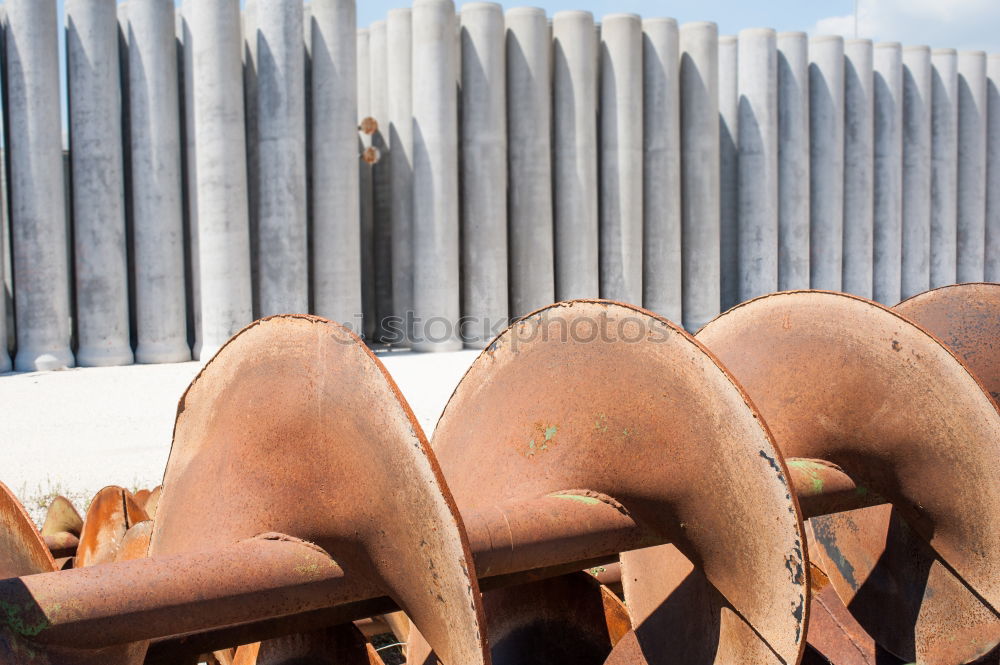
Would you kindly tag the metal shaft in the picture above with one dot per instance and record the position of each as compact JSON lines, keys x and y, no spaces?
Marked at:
{"x":273,"y":576}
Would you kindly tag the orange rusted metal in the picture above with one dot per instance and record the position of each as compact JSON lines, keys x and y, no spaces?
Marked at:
{"x":848,"y":381}
{"x":22,"y":550}
{"x":966,"y":317}
{"x":587,"y":430}
{"x":558,"y":620}
{"x":608,"y":406}
{"x":61,"y":529}
{"x":135,"y":543}
{"x":110,"y":515}
{"x":340,"y":645}
{"x":616,"y":615}
{"x":369,"y":125}
{"x":371,"y":155}
{"x":628,"y":651}
{"x":902,"y":594}
{"x":153,"y":501}
{"x":833,"y":632}
{"x":295,"y":395}
{"x":23,"y":553}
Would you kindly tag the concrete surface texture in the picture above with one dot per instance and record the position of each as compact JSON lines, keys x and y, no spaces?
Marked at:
{"x":483,"y":149}
{"x":888,"y":169}
{"x":399,"y":75}
{"x":859,"y":100}
{"x":944,"y":167}
{"x":436,"y":298}
{"x":157,"y":195}
{"x":915,"y":271}
{"x":793,"y":161}
{"x":621,"y":141}
{"x":519,"y":158}
{"x":574,"y":125}
{"x":758,"y":163}
{"x":283,"y":269}
{"x":729,"y":171}
{"x":992,"y":266}
{"x":826,"y":174}
{"x":37,"y":186}
{"x":75,"y":431}
{"x":219,"y":207}
{"x":336,"y":282}
{"x":95,"y":122}
{"x":529,"y":155}
{"x":699,"y":84}
{"x":971,"y":225}
{"x":661,"y":205}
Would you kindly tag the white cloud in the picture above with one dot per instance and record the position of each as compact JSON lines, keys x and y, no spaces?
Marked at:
{"x":961,"y":24}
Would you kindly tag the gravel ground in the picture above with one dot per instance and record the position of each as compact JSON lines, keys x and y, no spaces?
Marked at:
{"x":75,"y":431}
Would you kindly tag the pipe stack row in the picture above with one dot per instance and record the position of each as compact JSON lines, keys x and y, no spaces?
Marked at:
{"x":213,"y":171}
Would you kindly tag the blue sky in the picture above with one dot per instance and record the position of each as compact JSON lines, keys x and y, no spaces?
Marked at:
{"x":962,"y":24}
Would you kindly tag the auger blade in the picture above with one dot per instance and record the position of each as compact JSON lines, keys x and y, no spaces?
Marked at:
{"x":295,"y":427}
{"x":899,"y":590}
{"x":111,"y":513}
{"x":61,"y":530}
{"x":848,"y":381}
{"x":135,"y":542}
{"x":606,"y":404}
{"x":23,"y":552}
{"x":966,"y":317}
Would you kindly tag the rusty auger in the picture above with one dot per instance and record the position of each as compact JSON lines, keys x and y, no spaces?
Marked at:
{"x":601,"y":428}
{"x":847,"y":381}
{"x":301,"y":495}
{"x":317,"y":453}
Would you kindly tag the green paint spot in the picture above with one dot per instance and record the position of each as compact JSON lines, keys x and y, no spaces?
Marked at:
{"x":597,"y":571}
{"x":812,"y":469}
{"x":805,"y":464}
{"x":550,"y":432}
{"x":531,"y":444}
{"x":589,"y":500}
{"x":861,"y":490}
{"x":16,"y":622}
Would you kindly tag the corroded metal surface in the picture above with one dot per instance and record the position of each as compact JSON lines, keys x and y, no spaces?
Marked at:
{"x":823,"y":488}
{"x":326,"y":428}
{"x":110,"y":515}
{"x":833,"y":632}
{"x":628,"y":651}
{"x":23,"y":552}
{"x":340,"y":645}
{"x":550,"y":622}
{"x":135,"y":542}
{"x":601,"y":403}
{"x":152,"y":501}
{"x":586,"y":430}
{"x":62,"y":526}
{"x":850,"y":382}
{"x":615,"y":615}
{"x":900,"y":591}
{"x":680,"y":617}
{"x":966,"y":317}
{"x":176,"y":595}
